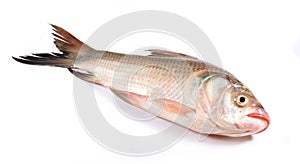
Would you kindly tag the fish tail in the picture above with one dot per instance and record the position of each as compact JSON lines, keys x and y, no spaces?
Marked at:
{"x":68,"y":46}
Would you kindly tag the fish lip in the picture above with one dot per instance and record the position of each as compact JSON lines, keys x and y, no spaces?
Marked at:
{"x":262,"y":116}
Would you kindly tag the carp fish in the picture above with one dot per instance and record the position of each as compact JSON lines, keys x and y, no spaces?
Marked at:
{"x":173,"y":86}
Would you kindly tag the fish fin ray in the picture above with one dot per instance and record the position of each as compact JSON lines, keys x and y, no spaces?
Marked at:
{"x":132,"y":98}
{"x":67,"y":44}
{"x":166,"y":109}
{"x":165,"y":53}
{"x":86,"y":76}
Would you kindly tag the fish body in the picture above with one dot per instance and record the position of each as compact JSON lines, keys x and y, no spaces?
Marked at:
{"x":173,"y":86}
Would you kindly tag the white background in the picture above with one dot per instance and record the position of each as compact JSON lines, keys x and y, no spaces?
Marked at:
{"x":255,"y":40}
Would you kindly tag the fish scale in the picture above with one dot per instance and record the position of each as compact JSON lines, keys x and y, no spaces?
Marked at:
{"x":145,"y":73}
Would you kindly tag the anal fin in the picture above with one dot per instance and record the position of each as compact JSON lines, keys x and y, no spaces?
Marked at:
{"x":86,"y":76}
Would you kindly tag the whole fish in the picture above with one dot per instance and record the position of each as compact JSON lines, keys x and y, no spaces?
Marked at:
{"x":173,"y":86}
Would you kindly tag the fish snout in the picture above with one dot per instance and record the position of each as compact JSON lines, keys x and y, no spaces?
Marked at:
{"x":262,"y":120}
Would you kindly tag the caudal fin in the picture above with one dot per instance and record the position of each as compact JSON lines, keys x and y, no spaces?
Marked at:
{"x":67,"y":44}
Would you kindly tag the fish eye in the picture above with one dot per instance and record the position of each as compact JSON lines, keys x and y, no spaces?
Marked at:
{"x":241,"y":100}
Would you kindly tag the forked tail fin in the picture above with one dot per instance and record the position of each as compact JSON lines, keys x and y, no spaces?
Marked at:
{"x":67,"y":44}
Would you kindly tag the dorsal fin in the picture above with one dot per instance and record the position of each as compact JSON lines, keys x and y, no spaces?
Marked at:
{"x":165,"y":53}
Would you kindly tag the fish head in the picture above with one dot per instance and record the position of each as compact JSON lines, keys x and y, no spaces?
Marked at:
{"x":233,"y":108}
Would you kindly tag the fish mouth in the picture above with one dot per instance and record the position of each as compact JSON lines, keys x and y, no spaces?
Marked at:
{"x":261,"y":116}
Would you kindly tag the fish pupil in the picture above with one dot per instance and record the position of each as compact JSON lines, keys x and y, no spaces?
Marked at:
{"x":242,"y":99}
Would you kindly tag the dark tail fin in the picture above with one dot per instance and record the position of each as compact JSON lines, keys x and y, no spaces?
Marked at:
{"x":67,"y":44}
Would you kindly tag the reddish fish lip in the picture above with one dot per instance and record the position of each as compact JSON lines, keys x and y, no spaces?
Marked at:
{"x":262,"y":116}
